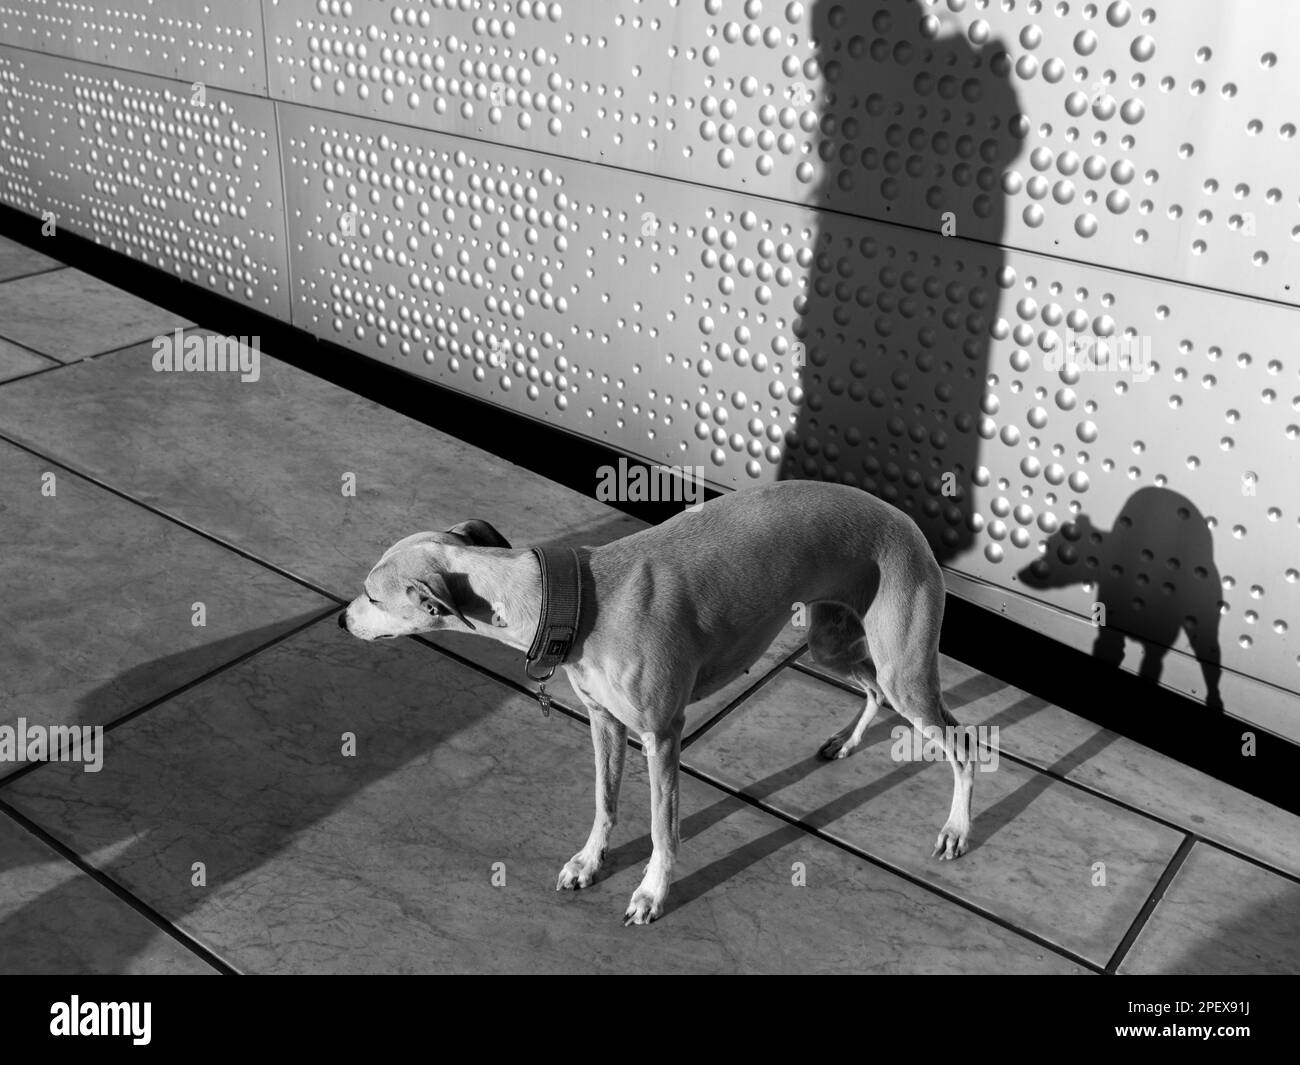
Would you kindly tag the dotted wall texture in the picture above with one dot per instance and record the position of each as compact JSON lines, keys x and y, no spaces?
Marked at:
{"x":218,"y":42}
{"x":1158,"y":136}
{"x":184,"y":180}
{"x":1027,"y":270}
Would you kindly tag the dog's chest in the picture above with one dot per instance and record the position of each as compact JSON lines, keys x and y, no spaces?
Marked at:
{"x":596,"y":688}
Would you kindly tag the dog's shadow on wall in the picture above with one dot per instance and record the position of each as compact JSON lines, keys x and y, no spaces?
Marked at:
{"x":895,"y":325}
{"x":1152,"y":573}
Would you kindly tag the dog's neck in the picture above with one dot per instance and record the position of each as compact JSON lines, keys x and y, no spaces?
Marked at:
{"x":507,"y":594}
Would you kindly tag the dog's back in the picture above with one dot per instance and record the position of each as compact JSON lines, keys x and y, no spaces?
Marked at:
{"x":836,"y":534}
{"x":701,"y":587}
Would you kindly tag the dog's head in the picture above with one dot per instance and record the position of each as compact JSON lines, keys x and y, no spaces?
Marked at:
{"x":1058,"y":566}
{"x":411,"y":589}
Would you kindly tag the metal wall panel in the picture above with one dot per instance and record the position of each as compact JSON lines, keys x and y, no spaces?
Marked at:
{"x":707,"y":327}
{"x":1158,"y":136}
{"x":878,"y":242}
{"x":138,"y":164}
{"x":218,"y":42}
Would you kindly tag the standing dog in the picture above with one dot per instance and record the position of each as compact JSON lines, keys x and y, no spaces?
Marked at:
{"x":673,"y":613}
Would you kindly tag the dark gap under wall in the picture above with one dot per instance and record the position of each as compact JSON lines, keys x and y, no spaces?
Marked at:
{"x":1156,"y":717}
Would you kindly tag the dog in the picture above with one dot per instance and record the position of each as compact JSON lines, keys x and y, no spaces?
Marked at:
{"x":671,"y":614}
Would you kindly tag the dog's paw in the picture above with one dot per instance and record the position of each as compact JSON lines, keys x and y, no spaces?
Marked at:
{"x":578,"y":872}
{"x":644,"y":907}
{"x":952,"y":843}
{"x":840,"y":745}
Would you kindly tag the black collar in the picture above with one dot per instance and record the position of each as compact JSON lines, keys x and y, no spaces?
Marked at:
{"x":557,"y":627}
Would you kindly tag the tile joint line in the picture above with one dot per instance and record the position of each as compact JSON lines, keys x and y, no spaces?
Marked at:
{"x":1153,"y":900}
{"x":190,"y":943}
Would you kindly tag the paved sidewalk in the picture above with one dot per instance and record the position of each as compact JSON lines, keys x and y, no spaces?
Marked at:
{"x":224,"y":742}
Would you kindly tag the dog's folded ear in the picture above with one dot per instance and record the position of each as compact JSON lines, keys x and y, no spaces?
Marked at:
{"x":479,"y":533}
{"x":433,"y":596}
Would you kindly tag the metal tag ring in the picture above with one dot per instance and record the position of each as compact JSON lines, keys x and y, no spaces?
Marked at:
{"x":528,"y":670}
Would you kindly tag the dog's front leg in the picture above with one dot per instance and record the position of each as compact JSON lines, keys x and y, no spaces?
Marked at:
{"x":609,"y":738}
{"x":663,"y":753}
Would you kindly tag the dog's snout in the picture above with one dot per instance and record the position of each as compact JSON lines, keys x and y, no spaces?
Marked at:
{"x":343,"y":621}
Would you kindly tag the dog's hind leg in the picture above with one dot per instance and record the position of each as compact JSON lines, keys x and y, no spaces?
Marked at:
{"x":918,"y":700}
{"x":908,"y":673}
{"x":849,"y":739}
{"x":838,"y":641}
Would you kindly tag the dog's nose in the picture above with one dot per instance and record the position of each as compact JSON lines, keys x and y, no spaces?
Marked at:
{"x":343,"y":621}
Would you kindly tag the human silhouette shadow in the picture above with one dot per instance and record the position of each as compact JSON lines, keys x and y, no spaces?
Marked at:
{"x":1155,"y":575}
{"x":895,"y":323}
